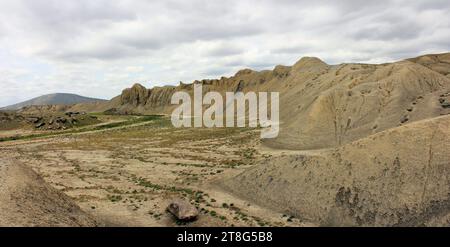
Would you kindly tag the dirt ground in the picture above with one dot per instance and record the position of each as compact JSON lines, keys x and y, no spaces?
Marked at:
{"x":126,"y":176}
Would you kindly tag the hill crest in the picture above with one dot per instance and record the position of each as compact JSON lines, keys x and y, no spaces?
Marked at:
{"x":52,"y":99}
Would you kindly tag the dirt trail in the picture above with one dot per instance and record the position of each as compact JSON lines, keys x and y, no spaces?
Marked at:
{"x":267,"y":150}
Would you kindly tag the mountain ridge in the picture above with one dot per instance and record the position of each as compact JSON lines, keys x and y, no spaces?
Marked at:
{"x":52,"y":99}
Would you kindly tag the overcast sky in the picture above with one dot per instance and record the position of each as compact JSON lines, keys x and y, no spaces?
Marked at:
{"x":99,"y":47}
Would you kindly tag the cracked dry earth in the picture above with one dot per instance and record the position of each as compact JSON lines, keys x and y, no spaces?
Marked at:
{"x":127,"y":177}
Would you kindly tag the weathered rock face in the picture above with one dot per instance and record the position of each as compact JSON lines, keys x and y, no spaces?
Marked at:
{"x":135,"y":96}
{"x":46,"y":119}
{"x":183,"y":210}
{"x":139,"y":99}
{"x":34,"y":119}
{"x":323,"y":106}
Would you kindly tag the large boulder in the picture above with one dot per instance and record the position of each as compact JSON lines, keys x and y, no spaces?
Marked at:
{"x":39,"y":125}
{"x":182,"y":210}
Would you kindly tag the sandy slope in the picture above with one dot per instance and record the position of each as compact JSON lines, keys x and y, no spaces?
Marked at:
{"x":397,"y":177}
{"x":26,"y":200}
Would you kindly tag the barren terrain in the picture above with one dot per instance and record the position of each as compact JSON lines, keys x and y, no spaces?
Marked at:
{"x":126,"y":176}
{"x":359,"y":145}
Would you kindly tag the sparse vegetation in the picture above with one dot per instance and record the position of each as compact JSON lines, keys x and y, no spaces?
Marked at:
{"x":127,"y":162}
{"x":115,"y":198}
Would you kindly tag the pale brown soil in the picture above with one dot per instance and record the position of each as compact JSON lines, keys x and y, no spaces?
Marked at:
{"x":127,"y":176}
{"x":27,"y":200}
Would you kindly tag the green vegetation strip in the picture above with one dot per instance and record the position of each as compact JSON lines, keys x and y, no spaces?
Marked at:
{"x":135,"y":120}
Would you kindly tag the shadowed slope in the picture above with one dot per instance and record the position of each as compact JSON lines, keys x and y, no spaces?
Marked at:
{"x":26,"y":200}
{"x":396,"y":177}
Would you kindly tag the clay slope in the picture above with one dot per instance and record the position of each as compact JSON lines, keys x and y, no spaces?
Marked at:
{"x":324,"y":105}
{"x":437,"y":62}
{"x":351,"y":101}
{"x":398,"y":177}
{"x":26,"y":200}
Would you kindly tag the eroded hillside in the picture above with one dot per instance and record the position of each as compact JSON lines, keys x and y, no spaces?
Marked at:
{"x":359,"y":144}
{"x":322,"y":105}
{"x":398,"y":177}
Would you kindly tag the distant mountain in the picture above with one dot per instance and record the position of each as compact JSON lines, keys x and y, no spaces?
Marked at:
{"x":53,"y":99}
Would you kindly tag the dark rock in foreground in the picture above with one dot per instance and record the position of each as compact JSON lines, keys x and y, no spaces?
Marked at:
{"x":183,"y":210}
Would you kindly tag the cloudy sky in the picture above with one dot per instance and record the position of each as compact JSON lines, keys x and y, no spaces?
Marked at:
{"x":99,"y":47}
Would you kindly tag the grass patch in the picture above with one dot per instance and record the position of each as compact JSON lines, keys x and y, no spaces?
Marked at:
{"x":115,"y":198}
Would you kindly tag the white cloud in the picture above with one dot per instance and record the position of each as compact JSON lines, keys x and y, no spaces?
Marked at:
{"x":97,"y":48}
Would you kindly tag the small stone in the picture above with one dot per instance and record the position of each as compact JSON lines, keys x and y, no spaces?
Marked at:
{"x":404,"y":119}
{"x":33,"y":119}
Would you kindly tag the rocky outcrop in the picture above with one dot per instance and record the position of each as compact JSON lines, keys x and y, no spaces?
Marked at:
{"x":139,"y":99}
{"x":321,"y":105}
{"x":135,"y":95}
{"x":11,"y":120}
{"x":42,"y":118}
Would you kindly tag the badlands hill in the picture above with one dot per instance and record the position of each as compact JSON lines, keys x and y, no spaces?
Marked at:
{"x":369,"y":141}
{"x":26,"y":200}
{"x":359,"y":144}
{"x":322,"y":105}
{"x":398,"y":177}
{"x":52,"y":99}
